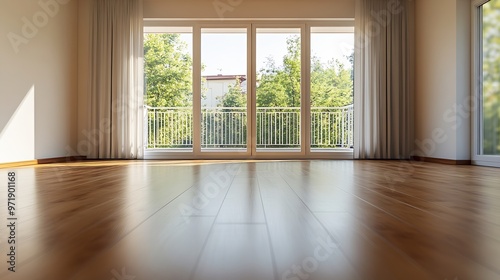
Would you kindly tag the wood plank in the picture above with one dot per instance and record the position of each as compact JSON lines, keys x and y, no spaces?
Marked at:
{"x":293,"y":220}
{"x":243,"y":203}
{"x":296,"y":237}
{"x":236,"y":252}
{"x":373,"y":257}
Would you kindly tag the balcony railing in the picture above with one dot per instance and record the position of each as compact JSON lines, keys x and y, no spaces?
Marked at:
{"x":226,"y":128}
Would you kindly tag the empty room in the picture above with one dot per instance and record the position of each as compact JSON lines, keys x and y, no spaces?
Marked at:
{"x":249,"y":139}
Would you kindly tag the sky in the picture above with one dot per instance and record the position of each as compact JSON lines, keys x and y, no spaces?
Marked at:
{"x":227,"y":53}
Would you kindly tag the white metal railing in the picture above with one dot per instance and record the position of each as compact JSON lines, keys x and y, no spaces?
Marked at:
{"x":169,"y":127}
{"x":224,"y":127}
{"x":332,"y":127}
{"x":278,"y":127}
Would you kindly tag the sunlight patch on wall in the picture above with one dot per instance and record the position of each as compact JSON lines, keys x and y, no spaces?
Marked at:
{"x":17,"y":138}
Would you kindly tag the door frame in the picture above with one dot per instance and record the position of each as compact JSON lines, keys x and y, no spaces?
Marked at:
{"x":198,"y":151}
{"x":304,"y":130}
{"x":478,"y":158}
{"x":251,"y":152}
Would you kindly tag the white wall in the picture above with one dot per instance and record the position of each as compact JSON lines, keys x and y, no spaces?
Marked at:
{"x":442,"y":78}
{"x":249,"y":9}
{"x":464,"y":80}
{"x":38,"y":74}
{"x":38,"y":97}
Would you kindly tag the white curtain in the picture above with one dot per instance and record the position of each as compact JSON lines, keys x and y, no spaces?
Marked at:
{"x":116,"y":79}
{"x":383,"y":79}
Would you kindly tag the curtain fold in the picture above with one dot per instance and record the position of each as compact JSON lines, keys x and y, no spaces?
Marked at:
{"x":383,"y":88}
{"x":116,"y":80}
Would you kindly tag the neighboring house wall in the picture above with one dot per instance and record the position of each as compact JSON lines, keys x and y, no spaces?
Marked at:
{"x":216,"y":88}
{"x":214,"y":92}
{"x":38,"y":78}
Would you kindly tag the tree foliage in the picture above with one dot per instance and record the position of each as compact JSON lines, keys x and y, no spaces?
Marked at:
{"x":168,"y":71}
{"x":235,"y":97}
{"x":331,"y":83}
{"x":280,"y":86}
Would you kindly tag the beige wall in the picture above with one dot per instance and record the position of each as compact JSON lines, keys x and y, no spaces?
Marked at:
{"x":249,"y":9}
{"x":442,"y":78}
{"x":38,"y":74}
{"x":39,"y":81}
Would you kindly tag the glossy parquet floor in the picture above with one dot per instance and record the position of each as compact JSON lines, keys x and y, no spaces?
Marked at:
{"x":254,"y":220}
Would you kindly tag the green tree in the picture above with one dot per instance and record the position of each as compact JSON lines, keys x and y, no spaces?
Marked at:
{"x":167,"y":67}
{"x":168,"y":71}
{"x":331,"y":84}
{"x":168,"y":78}
{"x":280,"y":86}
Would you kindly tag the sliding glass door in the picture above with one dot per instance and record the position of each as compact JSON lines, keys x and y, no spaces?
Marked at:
{"x":332,"y":88}
{"x":224,"y":102}
{"x":168,"y":68}
{"x":248,"y":90}
{"x":487,"y":89}
{"x":278,"y":87}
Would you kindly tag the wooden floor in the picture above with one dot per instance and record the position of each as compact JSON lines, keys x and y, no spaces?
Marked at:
{"x":254,"y":220}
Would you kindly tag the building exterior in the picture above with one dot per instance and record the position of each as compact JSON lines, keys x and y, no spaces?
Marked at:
{"x":216,"y":86}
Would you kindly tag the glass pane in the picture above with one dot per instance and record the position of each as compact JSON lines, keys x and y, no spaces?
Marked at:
{"x":491,"y":79}
{"x":169,"y":88}
{"x":224,"y":89}
{"x":278,"y":88}
{"x":332,"y":85}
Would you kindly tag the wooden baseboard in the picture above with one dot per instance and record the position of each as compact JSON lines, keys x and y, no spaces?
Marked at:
{"x":61,"y":159}
{"x":18,"y":164}
{"x":42,"y":161}
{"x":442,"y":160}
